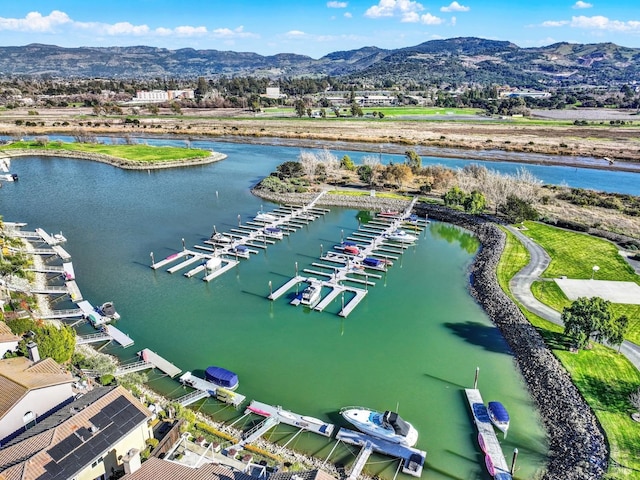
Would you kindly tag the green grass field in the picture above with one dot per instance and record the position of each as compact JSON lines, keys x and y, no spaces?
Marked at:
{"x":137,"y":153}
{"x":604,"y":377}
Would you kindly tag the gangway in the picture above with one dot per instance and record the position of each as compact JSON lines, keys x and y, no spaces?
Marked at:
{"x":67,"y":313}
{"x":133,"y":367}
{"x":192,"y":397}
{"x":93,"y":338}
{"x":361,"y":461}
{"x":256,"y":432}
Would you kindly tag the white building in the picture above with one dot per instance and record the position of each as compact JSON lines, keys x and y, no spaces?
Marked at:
{"x":151,"y":96}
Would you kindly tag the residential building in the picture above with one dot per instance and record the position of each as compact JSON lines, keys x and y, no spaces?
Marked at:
{"x":305,"y":475}
{"x":87,"y":440}
{"x":155,"y":468}
{"x":30,"y":389}
{"x":8,"y":339}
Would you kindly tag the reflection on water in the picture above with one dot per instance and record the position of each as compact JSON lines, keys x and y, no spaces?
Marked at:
{"x":455,"y":234}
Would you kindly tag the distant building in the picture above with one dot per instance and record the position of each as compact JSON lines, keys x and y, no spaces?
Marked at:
{"x":154,"y":469}
{"x":180,"y":94}
{"x":91,"y":438}
{"x":514,"y":93}
{"x":274,"y":92}
{"x":151,"y":96}
{"x":30,"y":390}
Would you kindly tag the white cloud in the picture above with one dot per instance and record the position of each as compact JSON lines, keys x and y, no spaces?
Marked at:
{"x":295,"y":34}
{"x":453,"y":21}
{"x":429,"y":19}
{"x":124,"y":28}
{"x":455,"y":7}
{"x":596,"y":22}
{"x":347,"y":15}
{"x":35,"y":22}
{"x":337,"y":4}
{"x":235,"y":33}
{"x":580,"y":4}
{"x":407,"y":10}
{"x":555,"y":23}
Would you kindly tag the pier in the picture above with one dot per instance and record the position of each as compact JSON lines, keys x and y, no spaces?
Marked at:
{"x":207,"y":389}
{"x":487,"y":438}
{"x":412,"y":458}
{"x":346,"y":266}
{"x":242,"y":241}
{"x":289,"y":418}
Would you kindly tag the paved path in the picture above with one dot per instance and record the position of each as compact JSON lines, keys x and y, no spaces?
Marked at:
{"x":521,"y":288}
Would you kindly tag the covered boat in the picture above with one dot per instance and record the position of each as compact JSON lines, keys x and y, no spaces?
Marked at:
{"x":221,"y":377}
{"x":388,"y":425}
{"x":498,"y":416}
{"x":373,"y":262}
{"x":273,"y":232}
{"x":213,"y":263}
{"x":108,"y":310}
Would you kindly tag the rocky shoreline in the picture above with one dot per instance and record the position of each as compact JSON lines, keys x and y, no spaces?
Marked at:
{"x":578,"y":448}
{"x":115,"y":161}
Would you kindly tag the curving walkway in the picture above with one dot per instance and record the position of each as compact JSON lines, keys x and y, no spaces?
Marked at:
{"x":521,"y":288}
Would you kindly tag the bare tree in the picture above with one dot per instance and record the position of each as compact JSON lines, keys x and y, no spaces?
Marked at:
{"x":309,"y":162}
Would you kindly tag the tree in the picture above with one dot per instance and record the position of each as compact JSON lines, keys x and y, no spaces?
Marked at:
{"x":53,"y":342}
{"x":365,"y":174}
{"x":453,"y":197}
{"x":175,"y":108}
{"x":474,"y":202}
{"x":356,"y":111}
{"x":289,"y":169}
{"x":347,"y":163}
{"x":588,"y":318}
{"x":300,"y":108}
{"x":518,"y":210}
{"x":413,"y":160}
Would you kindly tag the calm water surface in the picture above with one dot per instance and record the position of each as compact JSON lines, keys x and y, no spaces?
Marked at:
{"x":412,"y":344}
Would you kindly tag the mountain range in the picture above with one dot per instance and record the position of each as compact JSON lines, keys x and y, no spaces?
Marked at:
{"x":455,"y":60}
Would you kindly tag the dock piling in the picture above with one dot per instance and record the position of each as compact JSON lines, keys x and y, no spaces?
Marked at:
{"x":513,"y":461}
{"x":152,"y":259}
{"x":184,"y":247}
{"x":475,"y":381}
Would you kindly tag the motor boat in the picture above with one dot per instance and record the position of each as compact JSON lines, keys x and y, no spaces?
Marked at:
{"x":498,"y":416}
{"x":213,"y":263}
{"x":387,"y":426}
{"x":389,"y":213}
{"x":220,"y":238}
{"x":221,"y":377}
{"x":265,"y":217}
{"x":311,"y":294}
{"x":401,"y":236}
{"x":273,"y":232}
{"x":108,"y":310}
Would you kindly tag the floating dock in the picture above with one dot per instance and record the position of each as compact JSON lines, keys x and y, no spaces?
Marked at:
{"x":412,"y":459}
{"x":487,"y":438}
{"x":159,"y":362}
{"x":347,"y":266}
{"x":207,"y":389}
{"x":310,"y":424}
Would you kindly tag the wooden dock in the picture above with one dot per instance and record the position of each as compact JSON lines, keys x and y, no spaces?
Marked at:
{"x":487,"y":437}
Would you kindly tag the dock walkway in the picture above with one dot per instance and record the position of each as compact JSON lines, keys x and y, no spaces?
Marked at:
{"x":311,"y":424}
{"x":412,"y":458}
{"x":222,"y":394}
{"x":486,"y":434}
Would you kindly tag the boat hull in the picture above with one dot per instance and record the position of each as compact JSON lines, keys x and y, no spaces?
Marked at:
{"x":369,"y":422}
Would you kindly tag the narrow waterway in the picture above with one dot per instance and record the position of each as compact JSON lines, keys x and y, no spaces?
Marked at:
{"x":413,"y":344}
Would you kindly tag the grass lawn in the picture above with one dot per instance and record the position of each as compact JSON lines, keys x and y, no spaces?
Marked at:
{"x":574,"y":255}
{"x":363,"y":193}
{"x":604,"y":377}
{"x":138,"y":153}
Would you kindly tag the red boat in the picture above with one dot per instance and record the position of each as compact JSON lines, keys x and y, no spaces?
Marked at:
{"x":489,"y":463}
{"x":352,"y":249}
{"x":389,"y":213}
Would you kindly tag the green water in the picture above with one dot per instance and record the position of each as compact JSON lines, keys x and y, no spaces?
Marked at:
{"x":412,"y":344}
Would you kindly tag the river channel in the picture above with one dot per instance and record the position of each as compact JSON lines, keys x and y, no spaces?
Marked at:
{"x":413,"y":344}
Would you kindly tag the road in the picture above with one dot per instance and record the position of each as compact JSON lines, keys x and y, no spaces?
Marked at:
{"x":521,"y":288}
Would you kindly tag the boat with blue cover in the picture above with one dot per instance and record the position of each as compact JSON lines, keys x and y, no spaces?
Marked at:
{"x":221,"y":377}
{"x":498,"y":416}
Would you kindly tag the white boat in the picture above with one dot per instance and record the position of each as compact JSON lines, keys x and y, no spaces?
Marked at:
{"x":498,"y":416}
{"x":265,"y":217}
{"x":59,"y":237}
{"x":273,"y":232}
{"x":213,"y":263}
{"x":387,"y":426}
{"x":401,"y":236}
{"x":220,"y":238}
{"x":311,"y":294}
{"x":108,"y":310}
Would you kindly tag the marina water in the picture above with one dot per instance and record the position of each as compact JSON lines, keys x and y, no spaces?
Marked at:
{"x":412,"y":345}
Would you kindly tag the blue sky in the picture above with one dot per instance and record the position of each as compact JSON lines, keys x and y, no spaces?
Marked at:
{"x":311,"y":27}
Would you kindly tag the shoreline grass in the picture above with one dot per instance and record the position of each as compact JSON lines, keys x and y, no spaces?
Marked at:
{"x":135,"y":153}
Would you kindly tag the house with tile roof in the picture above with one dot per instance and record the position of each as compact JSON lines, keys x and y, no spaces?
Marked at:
{"x":155,"y":468}
{"x":86,"y":440}
{"x":303,"y":475}
{"x":8,"y":339}
{"x":29,"y":391}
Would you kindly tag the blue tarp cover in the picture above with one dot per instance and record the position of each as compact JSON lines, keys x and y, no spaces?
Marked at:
{"x":498,"y":411}
{"x":221,"y":376}
{"x":372,"y":262}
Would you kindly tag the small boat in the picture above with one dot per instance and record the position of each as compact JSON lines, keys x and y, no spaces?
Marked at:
{"x":350,"y":247}
{"x":273,"y":232}
{"x":265,"y":217}
{"x":387,"y":426}
{"x":108,"y":310}
{"x":482,"y":443}
{"x":59,"y":238}
{"x":373,"y":262}
{"x":389,"y":213}
{"x":311,"y":294}
{"x":220,"y":238}
{"x":257,"y":411}
{"x":401,"y":236}
{"x":213,"y":263}
{"x":221,"y":377}
{"x":490,"y":466}
{"x":498,"y":416}
{"x":313,"y":420}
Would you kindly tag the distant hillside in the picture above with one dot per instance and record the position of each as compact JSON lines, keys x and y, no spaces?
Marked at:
{"x":456,"y":60}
